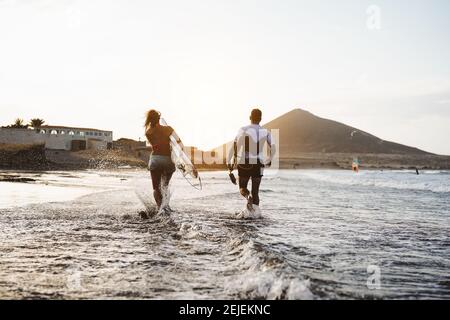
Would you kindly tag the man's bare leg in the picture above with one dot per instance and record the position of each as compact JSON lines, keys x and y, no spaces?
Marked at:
{"x":256,"y":181}
{"x":243,"y":182}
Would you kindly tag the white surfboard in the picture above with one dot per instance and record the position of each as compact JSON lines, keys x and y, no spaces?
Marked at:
{"x":182,"y":162}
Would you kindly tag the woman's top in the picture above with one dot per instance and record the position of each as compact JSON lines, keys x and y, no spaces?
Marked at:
{"x":159,"y":138}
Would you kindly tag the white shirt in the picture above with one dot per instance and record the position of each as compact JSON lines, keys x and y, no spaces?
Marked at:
{"x":253,"y":133}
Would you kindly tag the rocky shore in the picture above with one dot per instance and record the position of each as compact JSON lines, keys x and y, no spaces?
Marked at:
{"x":37,"y":158}
{"x":23,"y":157}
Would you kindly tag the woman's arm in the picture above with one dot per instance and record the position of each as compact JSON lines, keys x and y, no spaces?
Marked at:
{"x":147,"y":135}
{"x":177,"y":139}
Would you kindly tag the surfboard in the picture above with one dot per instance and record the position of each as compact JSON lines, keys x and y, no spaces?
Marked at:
{"x":182,"y":162}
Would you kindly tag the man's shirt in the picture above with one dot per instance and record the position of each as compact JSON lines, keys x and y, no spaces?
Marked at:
{"x":250,"y":142}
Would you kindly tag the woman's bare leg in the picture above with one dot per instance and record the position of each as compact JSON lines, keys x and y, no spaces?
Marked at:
{"x":165,"y":180}
{"x":156,"y":182}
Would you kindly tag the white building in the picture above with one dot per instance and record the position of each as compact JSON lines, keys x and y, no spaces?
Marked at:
{"x":59,"y":137}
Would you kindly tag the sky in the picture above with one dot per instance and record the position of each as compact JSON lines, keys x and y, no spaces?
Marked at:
{"x":380,"y":66}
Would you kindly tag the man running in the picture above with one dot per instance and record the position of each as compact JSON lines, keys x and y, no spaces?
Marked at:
{"x":248,"y":157}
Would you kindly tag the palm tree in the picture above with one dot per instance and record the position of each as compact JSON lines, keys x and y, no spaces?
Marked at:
{"x":36,"y":123}
{"x":19,"y":124}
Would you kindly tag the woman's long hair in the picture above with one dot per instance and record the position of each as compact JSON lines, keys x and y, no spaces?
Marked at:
{"x":152,"y":118}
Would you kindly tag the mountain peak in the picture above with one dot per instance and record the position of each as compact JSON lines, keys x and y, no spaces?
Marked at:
{"x":302,"y":132}
{"x":299,"y":111}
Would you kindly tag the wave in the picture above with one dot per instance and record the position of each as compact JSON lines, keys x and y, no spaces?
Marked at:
{"x":262,"y":274}
{"x":191,"y":231}
{"x":404,"y":180}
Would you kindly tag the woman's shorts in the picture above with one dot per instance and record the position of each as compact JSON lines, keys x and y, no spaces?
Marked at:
{"x":161,"y":163}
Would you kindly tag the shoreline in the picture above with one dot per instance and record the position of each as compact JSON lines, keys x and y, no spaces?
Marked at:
{"x":36,"y":158}
{"x":124,"y":168}
{"x":14,"y":175}
{"x":57,"y":168}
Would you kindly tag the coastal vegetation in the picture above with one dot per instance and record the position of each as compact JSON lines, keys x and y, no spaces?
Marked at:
{"x":19,"y":123}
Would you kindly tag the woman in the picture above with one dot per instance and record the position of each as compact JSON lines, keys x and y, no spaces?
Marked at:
{"x":160,"y":164}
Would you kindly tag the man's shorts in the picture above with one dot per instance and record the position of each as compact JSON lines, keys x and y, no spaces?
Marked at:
{"x":250,"y":170}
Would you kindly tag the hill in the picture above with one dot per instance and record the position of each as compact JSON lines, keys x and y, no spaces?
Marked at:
{"x":308,"y":141}
{"x":303,"y":132}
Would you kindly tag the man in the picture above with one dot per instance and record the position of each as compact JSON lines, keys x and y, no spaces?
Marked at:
{"x":248,"y":157}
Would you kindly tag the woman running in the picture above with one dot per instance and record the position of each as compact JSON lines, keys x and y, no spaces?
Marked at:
{"x":161,"y":165}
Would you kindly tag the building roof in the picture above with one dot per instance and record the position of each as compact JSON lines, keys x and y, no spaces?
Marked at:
{"x":73,"y":128}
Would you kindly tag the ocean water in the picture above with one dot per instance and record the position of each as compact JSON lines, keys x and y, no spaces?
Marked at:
{"x":324,"y":234}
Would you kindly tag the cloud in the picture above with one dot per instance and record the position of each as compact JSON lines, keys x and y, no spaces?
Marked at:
{"x":445,"y":101}
{"x":40,"y":4}
{"x":7,"y":3}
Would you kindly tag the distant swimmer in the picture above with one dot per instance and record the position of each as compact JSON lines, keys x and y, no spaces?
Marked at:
{"x":355,"y":165}
{"x":248,"y":158}
{"x":160,"y":164}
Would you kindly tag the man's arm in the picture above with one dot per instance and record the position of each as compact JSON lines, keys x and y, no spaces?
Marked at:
{"x":232,"y":154}
{"x":272,"y":148}
{"x":233,"y":160}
